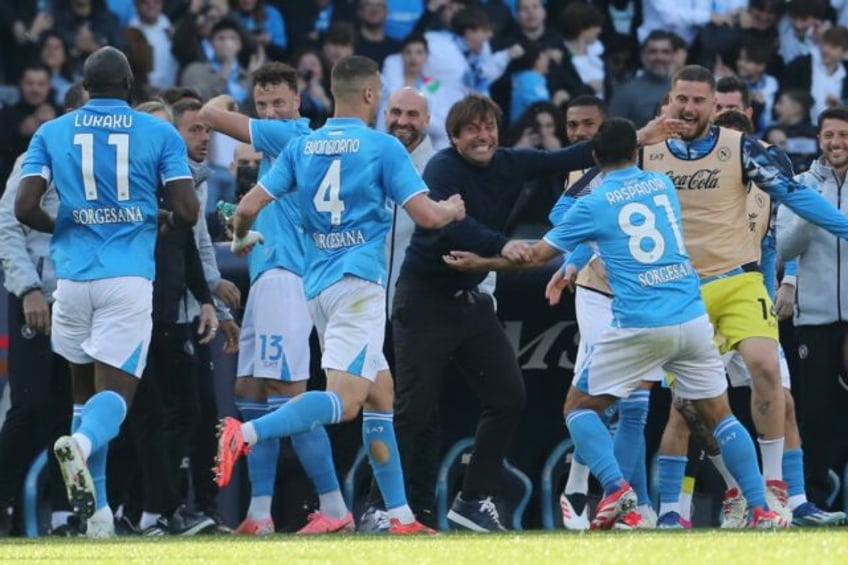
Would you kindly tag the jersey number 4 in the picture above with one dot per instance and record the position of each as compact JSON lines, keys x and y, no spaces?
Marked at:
{"x":327,"y":198}
{"x":121,"y":141}
{"x":647,"y":230}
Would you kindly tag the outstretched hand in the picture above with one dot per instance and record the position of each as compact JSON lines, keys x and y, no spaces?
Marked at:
{"x":659,"y":129}
{"x":463,"y":261}
{"x":560,"y":281}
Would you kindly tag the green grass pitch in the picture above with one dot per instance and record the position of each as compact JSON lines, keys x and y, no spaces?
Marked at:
{"x":796,"y":547}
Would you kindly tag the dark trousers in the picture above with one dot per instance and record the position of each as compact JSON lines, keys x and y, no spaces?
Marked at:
{"x":204,"y":442}
{"x":164,"y":415}
{"x":823,"y":403}
{"x":431,"y":327}
{"x":40,"y":412}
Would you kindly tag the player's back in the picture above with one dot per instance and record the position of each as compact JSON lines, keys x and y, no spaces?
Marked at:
{"x":107,"y":162}
{"x":639,"y":238}
{"x":346,"y":173}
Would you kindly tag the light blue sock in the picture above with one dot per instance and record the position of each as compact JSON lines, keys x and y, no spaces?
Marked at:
{"x":378,"y":428}
{"x":670,"y":471}
{"x":305,"y":413}
{"x":740,"y":457}
{"x":639,"y":482}
{"x":594,"y":443}
{"x":793,"y":471}
{"x":102,"y":415}
{"x":315,"y":453}
{"x":262,"y":459}
{"x":629,"y":439}
{"x":97,"y":468}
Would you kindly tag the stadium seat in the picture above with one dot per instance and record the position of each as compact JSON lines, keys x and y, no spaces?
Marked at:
{"x":516,"y":491}
{"x":554,"y":474}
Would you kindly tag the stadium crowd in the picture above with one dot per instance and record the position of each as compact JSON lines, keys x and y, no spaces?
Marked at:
{"x":493,"y":100}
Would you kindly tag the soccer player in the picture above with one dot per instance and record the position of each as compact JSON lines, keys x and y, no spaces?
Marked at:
{"x":659,"y":320}
{"x":593,"y":305}
{"x":343,"y":174}
{"x":106,"y":161}
{"x":273,"y":363}
{"x":711,"y":168}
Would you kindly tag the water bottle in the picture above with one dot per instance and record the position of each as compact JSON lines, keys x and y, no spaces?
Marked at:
{"x":227,"y":210}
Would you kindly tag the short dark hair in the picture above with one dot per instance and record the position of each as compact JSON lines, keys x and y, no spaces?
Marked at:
{"x":806,"y":9}
{"x":275,"y":73}
{"x":348,"y":72}
{"x":736,"y":120}
{"x":471,"y":17}
{"x":176,"y":93}
{"x":341,"y":33}
{"x":107,"y":72}
{"x":577,"y":17}
{"x":615,"y":142}
{"x":588,"y":100}
{"x":835,"y":113}
{"x":472,"y":107}
{"x":183,"y":106}
{"x":757,"y":50}
{"x":414,"y":38}
{"x":661,"y":35}
{"x":802,"y":97}
{"x":835,"y":35}
{"x":227,"y":23}
{"x":75,"y":96}
{"x":735,"y":84}
{"x":694,"y":73}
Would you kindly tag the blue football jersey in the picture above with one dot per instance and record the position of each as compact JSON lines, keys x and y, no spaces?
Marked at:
{"x":280,"y":221}
{"x":107,"y":162}
{"x":345,"y":173}
{"x":632,"y":222}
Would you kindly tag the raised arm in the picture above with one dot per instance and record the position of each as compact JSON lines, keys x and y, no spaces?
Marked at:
{"x":221,"y":113}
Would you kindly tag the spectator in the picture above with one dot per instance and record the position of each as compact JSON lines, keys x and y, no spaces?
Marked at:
{"x":720,"y":37}
{"x":19,"y":121}
{"x":407,"y":69}
{"x":265,"y":23}
{"x":438,"y":15}
{"x":191,"y":40}
{"x":581,"y":26}
{"x":529,"y":85}
{"x":27,"y":24}
{"x":338,"y":43}
{"x":540,"y":126}
{"x":140,"y":57}
{"x":156,"y":27}
{"x":222,"y":73}
{"x":823,"y":73}
{"x":683,"y":20}
{"x":87,"y":25}
{"x":54,"y":55}
{"x":792,"y":111}
{"x":123,"y":10}
{"x":309,"y":20}
{"x":754,"y":58}
{"x":776,"y":135}
{"x":637,"y":100}
{"x":372,"y":41}
{"x":820,"y":319}
{"x":619,"y":64}
{"x":315,"y":101}
{"x":798,"y":28}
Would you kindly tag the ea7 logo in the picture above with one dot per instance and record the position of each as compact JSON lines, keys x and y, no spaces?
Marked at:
{"x":656,"y":156}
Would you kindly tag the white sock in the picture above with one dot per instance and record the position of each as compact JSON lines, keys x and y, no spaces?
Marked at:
{"x":666,"y":507}
{"x":797,"y":500}
{"x":260,"y":508}
{"x":148,"y":519}
{"x":248,"y":432}
{"x":685,"y":503}
{"x":59,"y":518}
{"x":771,"y":451}
{"x":722,"y":469}
{"x":332,"y":504}
{"x":578,"y":478}
{"x":84,"y":444}
{"x":402,"y":514}
{"x":103,"y":514}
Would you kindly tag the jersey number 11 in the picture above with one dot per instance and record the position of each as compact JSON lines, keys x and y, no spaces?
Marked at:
{"x":121,"y":141}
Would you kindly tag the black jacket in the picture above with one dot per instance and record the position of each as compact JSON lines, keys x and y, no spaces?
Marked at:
{"x":489,"y":193}
{"x":178,"y":268}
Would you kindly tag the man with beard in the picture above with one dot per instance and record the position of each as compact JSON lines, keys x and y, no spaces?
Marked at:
{"x":711,"y":168}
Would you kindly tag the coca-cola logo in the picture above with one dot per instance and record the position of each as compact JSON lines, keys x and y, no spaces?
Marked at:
{"x":700,"y":179}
